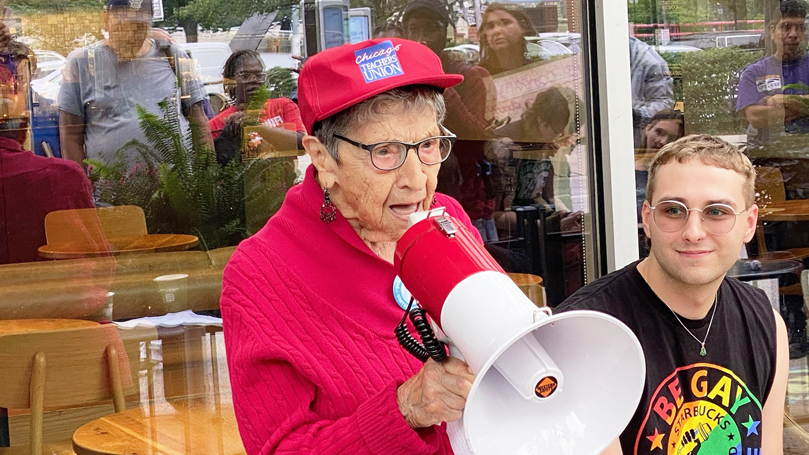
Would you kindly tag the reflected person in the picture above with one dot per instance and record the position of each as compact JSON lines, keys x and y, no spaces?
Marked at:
{"x":503,"y":30}
{"x":31,"y":186}
{"x":651,"y":84}
{"x":666,"y":126}
{"x":307,"y":303}
{"x":771,"y":107}
{"x":466,"y":175}
{"x":244,"y":74}
{"x":103,"y":82}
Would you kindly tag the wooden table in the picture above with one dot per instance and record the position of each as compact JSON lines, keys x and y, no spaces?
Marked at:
{"x":120,"y":245}
{"x":9,"y":326}
{"x":791,"y":210}
{"x":202,"y":425}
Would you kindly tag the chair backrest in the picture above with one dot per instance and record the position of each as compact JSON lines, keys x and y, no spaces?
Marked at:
{"x":61,"y":368}
{"x":769,"y":185}
{"x":78,"y":225}
{"x":769,"y":188}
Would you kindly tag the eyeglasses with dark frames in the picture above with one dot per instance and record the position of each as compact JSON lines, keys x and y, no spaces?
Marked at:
{"x":717,"y":219}
{"x":243,"y":76}
{"x":390,"y":155}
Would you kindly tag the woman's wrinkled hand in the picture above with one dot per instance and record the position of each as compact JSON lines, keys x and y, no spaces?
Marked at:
{"x":437,"y":393}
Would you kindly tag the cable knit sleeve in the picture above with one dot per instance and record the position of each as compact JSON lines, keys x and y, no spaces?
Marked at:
{"x":278,"y":353}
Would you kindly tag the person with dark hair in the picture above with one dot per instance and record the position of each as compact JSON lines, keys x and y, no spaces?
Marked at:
{"x":389,"y":29}
{"x":541,"y":125}
{"x":103,"y":82}
{"x":666,"y":126}
{"x":768,"y":98}
{"x":31,"y":186}
{"x":244,"y":75}
{"x":466,"y":175}
{"x":502,"y":35}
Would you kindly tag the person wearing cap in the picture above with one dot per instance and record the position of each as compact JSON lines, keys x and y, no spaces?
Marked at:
{"x":308,"y":302}
{"x":31,"y":186}
{"x":103,"y":82}
{"x":468,"y":177}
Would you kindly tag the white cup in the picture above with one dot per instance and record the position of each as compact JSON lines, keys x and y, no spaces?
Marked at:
{"x":173,"y":291}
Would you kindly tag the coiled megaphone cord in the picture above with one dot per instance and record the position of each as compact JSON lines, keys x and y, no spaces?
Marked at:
{"x":431,"y":347}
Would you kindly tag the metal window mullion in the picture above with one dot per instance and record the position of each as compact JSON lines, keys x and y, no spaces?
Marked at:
{"x":613,"y":105}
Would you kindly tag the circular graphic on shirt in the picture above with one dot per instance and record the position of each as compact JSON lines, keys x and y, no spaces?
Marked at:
{"x":701,"y":409}
{"x":402,"y":295}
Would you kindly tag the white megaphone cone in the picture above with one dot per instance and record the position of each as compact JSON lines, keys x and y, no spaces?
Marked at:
{"x":565,"y":384}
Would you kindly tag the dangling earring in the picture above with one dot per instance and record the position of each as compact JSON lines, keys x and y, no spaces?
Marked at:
{"x":327,"y":211}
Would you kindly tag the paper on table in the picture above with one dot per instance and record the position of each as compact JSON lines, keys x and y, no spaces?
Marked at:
{"x":171,"y":320}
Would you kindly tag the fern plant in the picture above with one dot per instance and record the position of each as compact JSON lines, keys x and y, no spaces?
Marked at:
{"x":181,"y":189}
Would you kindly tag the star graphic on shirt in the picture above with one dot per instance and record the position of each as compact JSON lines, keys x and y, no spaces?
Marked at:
{"x":731,"y":436}
{"x":656,"y":440}
{"x":751,"y":425}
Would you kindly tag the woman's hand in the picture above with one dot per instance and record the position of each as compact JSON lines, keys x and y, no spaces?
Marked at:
{"x":435,"y":394}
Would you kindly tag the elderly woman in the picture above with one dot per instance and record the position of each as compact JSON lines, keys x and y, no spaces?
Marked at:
{"x":502,"y":38}
{"x":308,"y":302}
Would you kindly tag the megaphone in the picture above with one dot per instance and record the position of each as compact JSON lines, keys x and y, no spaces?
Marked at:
{"x":564,"y":384}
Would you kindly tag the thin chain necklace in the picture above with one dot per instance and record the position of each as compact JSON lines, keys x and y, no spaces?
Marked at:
{"x":702,"y":351}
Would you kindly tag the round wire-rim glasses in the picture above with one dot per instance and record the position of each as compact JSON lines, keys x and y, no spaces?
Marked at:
{"x":390,"y":155}
{"x":717,"y":218}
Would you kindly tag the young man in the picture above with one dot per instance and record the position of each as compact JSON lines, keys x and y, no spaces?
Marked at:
{"x":763,"y":89}
{"x":716,"y":352}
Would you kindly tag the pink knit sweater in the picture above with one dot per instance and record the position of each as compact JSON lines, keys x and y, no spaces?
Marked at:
{"x":308,"y":320}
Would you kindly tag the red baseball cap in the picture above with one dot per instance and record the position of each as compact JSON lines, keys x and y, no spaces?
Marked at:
{"x":342,"y":76}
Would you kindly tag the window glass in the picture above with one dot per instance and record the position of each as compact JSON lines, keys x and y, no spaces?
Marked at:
{"x":737,"y":70}
{"x":159,"y":146}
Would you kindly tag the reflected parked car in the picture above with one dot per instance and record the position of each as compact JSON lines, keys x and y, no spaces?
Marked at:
{"x":571,"y":41}
{"x":741,"y":40}
{"x":470,"y":53}
{"x":48,"y":62}
{"x":676,"y":48}
{"x":536,"y":49}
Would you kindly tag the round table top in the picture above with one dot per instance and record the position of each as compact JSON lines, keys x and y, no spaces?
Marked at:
{"x":201,"y":425}
{"x":760,"y":269}
{"x":791,"y":210}
{"x":9,"y":326}
{"x":120,"y":245}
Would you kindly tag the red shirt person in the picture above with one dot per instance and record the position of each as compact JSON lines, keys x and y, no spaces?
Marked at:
{"x":31,"y":186}
{"x":244,"y":74}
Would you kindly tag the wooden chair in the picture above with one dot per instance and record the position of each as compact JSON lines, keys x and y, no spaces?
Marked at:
{"x":78,"y":225}
{"x":60,"y":369}
{"x":770,"y":188}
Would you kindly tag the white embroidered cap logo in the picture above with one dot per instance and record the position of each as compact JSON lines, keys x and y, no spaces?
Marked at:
{"x":378,"y":61}
{"x":135,"y":4}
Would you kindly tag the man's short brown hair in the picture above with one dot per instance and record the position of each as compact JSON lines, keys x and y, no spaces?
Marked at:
{"x":709,"y":150}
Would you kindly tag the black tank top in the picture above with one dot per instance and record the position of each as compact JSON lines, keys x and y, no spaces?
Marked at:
{"x":692,"y":404}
